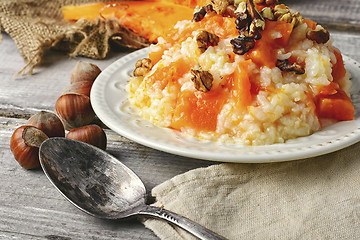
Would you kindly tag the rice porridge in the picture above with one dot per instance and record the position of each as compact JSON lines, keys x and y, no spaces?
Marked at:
{"x":243,"y":73}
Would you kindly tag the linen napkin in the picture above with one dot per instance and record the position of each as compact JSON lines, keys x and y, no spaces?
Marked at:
{"x":316,"y":198}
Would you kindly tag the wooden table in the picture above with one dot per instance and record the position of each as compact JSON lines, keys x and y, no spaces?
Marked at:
{"x":31,"y":208}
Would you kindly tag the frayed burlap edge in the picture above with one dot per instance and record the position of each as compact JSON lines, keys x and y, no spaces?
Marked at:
{"x":37,"y":26}
{"x":84,"y":38}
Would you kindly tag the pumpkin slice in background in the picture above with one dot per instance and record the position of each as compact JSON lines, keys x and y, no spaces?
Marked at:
{"x":147,"y":19}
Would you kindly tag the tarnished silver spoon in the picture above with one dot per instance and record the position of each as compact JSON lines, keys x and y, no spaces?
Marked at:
{"x":102,"y":186}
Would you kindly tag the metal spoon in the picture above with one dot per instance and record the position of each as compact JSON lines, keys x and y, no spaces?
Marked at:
{"x":102,"y":186}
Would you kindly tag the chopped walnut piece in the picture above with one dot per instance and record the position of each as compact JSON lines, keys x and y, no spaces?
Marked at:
{"x":283,"y":13}
{"x":241,"y":8}
{"x":267,"y":13}
{"x":202,"y":79}
{"x":243,"y":22}
{"x":142,"y":67}
{"x":205,"y":39}
{"x":255,"y":28}
{"x":242,"y":44}
{"x":198,"y":16}
{"x":280,"y":9}
{"x":230,"y":11}
{"x":258,"y":22}
{"x":254,"y":13}
{"x":285,"y":66}
{"x":249,"y":22}
{"x":319,"y":35}
{"x":221,"y":5}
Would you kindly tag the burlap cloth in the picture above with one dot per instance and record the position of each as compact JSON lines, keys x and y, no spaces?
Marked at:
{"x":317,"y":198}
{"x":38,"y":25}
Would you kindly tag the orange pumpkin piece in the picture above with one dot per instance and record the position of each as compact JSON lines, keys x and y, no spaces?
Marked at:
{"x":241,"y":86}
{"x":330,"y":89}
{"x":311,"y":24}
{"x":337,"y":106}
{"x":189,"y":3}
{"x":148,"y":19}
{"x":333,"y":102}
{"x":155,"y":56}
{"x":338,"y":69}
{"x":263,"y":54}
{"x":162,"y":77}
{"x":199,"y":110}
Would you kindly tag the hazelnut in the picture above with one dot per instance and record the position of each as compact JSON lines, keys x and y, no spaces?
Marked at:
{"x":73,"y":107}
{"x":82,"y":88}
{"x":74,"y":110}
{"x":91,"y":134}
{"x":84,"y":71}
{"x":47,"y":122}
{"x":25,"y":143}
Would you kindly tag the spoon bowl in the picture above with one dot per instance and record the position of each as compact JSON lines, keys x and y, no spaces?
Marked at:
{"x":102,"y":186}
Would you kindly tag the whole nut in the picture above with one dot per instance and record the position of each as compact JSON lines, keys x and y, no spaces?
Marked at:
{"x":74,"y":110}
{"x":25,"y":143}
{"x":84,"y":71}
{"x":47,"y":122}
{"x":82,"y":88}
{"x":91,"y":134}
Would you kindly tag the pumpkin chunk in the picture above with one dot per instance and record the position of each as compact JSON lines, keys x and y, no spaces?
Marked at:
{"x":148,"y":19}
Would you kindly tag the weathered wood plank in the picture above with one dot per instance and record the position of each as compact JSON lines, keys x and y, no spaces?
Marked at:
{"x":25,"y":95}
{"x":328,"y":11}
{"x":28,"y":197}
{"x":347,"y":42}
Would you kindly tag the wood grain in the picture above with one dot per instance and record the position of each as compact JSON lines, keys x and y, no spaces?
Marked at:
{"x":345,"y":11}
{"x":31,"y":208}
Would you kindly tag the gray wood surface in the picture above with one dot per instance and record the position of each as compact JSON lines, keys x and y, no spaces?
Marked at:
{"x":30,"y":208}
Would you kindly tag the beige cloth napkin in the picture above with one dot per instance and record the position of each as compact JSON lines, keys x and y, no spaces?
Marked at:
{"x":317,"y":198}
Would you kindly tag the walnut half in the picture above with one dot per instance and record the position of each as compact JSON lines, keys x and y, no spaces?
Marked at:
{"x":142,"y":67}
{"x":242,"y":44}
{"x":319,"y":35}
{"x":205,"y":39}
{"x":285,"y":66}
{"x":283,"y":13}
{"x":202,"y":79}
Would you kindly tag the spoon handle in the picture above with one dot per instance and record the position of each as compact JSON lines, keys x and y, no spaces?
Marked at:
{"x":180,"y":221}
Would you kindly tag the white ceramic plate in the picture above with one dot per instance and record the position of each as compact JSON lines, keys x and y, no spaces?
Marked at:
{"x":110,"y":102}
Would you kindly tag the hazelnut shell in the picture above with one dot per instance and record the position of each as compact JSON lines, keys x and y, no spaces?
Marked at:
{"x":91,"y":134}
{"x":47,"y":122}
{"x":25,"y":143}
{"x":74,"y":110}
{"x":81,"y":88}
{"x":84,"y":71}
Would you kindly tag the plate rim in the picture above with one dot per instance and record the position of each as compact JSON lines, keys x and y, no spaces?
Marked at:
{"x":98,"y":102}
